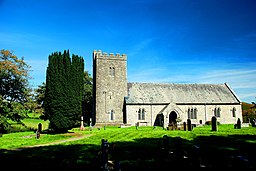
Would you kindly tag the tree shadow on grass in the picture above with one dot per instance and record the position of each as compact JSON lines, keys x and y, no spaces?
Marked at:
{"x":234,"y":151}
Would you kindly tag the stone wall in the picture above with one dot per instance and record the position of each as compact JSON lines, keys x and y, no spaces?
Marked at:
{"x":204,"y":113}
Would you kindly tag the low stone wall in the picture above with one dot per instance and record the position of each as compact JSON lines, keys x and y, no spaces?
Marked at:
{"x":125,"y":125}
{"x":245,"y":125}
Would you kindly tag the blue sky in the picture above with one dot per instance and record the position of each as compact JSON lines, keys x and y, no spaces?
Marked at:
{"x":167,"y":41}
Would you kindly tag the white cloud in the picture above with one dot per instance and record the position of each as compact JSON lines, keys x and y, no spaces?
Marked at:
{"x":239,"y":78}
{"x":140,"y":46}
{"x":242,"y":81}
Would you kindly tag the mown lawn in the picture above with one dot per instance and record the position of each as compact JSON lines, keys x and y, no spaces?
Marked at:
{"x":141,"y":148}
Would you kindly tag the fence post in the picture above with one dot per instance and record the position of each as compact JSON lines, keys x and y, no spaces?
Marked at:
{"x":104,"y":149}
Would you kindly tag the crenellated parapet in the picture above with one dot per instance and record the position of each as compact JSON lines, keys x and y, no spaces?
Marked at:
{"x":100,"y":54}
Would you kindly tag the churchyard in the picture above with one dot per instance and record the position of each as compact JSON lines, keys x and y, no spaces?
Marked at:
{"x":130,"y":148}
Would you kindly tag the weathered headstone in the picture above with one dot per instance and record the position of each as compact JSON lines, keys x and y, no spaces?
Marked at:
{"x":37,"y":134}
{"x":214,"y":123}
{"x":90,"y":122}
{"x":238,"y":124}
{"x":184,"y":126}
{"x":82,"y":123}
{"x":39,"y":127}
{"x":38,"y":131}
{"x":189,"y":125}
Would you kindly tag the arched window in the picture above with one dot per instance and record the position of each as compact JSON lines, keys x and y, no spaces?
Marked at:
{"x":189,"y":113}
{"x":139,"y":114}
{"x":112,"y":115}
{"x":217,"y":112}
{"x":110,"y":94}
{"x":192,"y":113}
{"x":110,"y":71}
{"x":234,"y":112}
{"x":195,"y":113}
{"x":143,"y":114}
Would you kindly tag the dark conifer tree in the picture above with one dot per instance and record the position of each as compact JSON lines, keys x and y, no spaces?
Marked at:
{"x":63,"y":102}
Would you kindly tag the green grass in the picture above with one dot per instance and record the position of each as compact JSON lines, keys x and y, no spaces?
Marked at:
{"x":135,"y":148}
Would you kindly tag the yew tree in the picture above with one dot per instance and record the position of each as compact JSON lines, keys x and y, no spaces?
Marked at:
{"x":64,"y":89}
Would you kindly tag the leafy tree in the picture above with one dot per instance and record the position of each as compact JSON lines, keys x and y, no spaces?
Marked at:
{"x":39,"y":98}
{"x":63,"y":93}
{"x":14,"y":88}
{"x":248,"y":111}
{"x":87,"y":97}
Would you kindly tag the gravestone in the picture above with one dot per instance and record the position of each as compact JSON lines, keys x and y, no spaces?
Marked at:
{"x":238,"y":124}
{"x":38,"y":131}
{"x":39,"y":127}
{"x":214,"y":123}
{"x":184,"y":126}
{"x":37,"y":134}
{"x":189,"y":125}
{"x":82,"y":124}
{"x":90,"y":122}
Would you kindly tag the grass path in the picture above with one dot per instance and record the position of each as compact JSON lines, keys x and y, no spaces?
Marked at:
{"x":77,"y":137}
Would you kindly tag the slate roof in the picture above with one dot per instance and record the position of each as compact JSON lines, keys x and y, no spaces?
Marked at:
{"x":157,"y":93}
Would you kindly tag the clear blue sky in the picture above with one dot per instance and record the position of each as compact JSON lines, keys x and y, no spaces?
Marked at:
{"x":167,"y":41}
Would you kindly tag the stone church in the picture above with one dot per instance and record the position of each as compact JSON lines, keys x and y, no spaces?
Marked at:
{"x":118,"y":102}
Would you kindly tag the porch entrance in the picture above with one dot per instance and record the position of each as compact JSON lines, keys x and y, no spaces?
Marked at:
{"x":172,"y":121}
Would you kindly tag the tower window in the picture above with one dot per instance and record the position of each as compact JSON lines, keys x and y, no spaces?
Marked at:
{"x":110,"y":95}
{"x":111,"y":117}
{"x":112,"y":71}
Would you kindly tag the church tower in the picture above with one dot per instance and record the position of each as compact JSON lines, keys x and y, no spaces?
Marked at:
{"x":109,"y":87}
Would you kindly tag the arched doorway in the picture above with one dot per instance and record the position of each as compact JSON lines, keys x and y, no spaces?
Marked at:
{"x":172,"y":120}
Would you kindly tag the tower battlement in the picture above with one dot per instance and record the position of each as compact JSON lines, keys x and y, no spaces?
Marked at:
{"x":100,"y":54}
